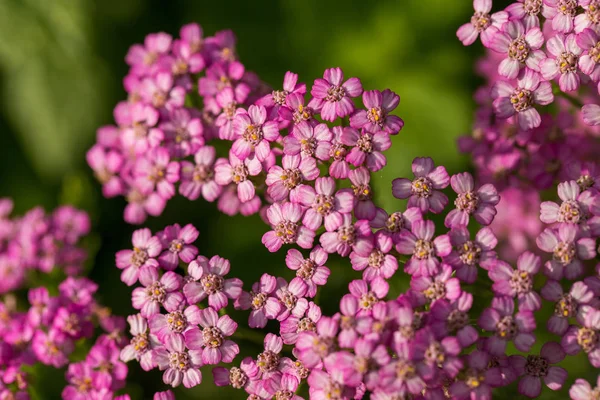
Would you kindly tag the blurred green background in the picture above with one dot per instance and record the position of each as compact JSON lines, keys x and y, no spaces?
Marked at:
{"x":61,"y":67}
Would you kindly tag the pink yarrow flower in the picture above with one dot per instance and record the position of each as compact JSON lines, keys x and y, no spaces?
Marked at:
{"x":211,"y":339}
{"x":283,"y":181}
{"x":425,"y":250}
{"x":518,"y":283}
{"x":311,"y":269}
{"x":324,"y":204}
{"x":286,"y":228}
{"x":180,"y":364}
{"x":239,"y":172}
{"x":482,"y":23}
{"x":177,"y":242}
{"x":563,"y":63}
{"x":521,"y":47}
{"x":198,"y":178}
{"x":537,"y":368}
{"x":143,"y":256}
{"x":481,"y":204}
{"x":520,"y":100}
{"x":156,"y":172}
{"x":366,"y":148}
{"x":561,"y":13}
{"x":155,"y":292}
{"x":332,"y":96}
{"x":468,"y":255}
{"x":207,"y":280}
{"x":254,"y":133}
{"x":424,"y":191}
{"x":261,"y":300}
{"x":376,"y":116}
{"x":589,"y":61}
{"x":309,"y":141}
{"x":568,"y":305}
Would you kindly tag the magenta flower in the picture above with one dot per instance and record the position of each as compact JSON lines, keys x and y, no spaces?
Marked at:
{"x":561,"y":13}
{"x":499,"y":319}
{"x":324,"y":204}
{"x":199,"y":177}
{"x":286,"y":230}
{"x":366,"y":148}
{"x":378,"y":263}
{"x":582,"y":390}
{"x":221,"y":75}
{"x":282,"y":181}
{"x":156,"y":172}
{"x":107,"y":165}
{"x":239,"y":378}
{"x":332,"y":96}
{"x":111,"y":373}
{"x":207,"y":280}
{"x":527,"y":11}
{"x":584,"y":337}
{"x":155,"y":292}
{"x":467,"y":255}
{"x":479,"y":380}
{"x":160,"y":91}
{"x":588,"y":42}
{"x":568,"y":250}
{"x":293,"y":325}
{"x":313,"y":347}
{"x":277,"y":98}
{"x":433,"y":354}
{"x":364,"y":208}
{"x":253,"y":133}
{"x":261,"y":300}
{"x":270,"y":363}
{"x":587,"y":174}
{"x":376,"y":116}
{"x":312,"y":270}
{"x":142,"y":343}
{"x":518,"y":283}
{"x":351,"y":324}
{"x":143,"y":256}
{"x":308,"y":141}
{"x":368,"y":294}
{"x":481,"y":203}
{"x":535,"y":368}
{"x":229,"y":100}
{"x":211,"y":338}
{"x":339,"y":168}
{"x":401,"y":375}
{"x":140,"y":205}
{"x":238,"y":172}
{"x":482,"y":23}
{"x":141,"y":133}
{"x":295,"y":111}
{"x":520,"y":100}
{"x":563,"y":62}
{"x":180,"y":365}
{"x":52,"y":348}
{"x":183,"y":133}
{"x":453,"y":318}
{"x":437,"y":287}
{"x":186,"y":59}
{"x":568,"y":305}
{"x":174,"y":323}
{"x":82,"y":381}
{"x":291,"y":297}
{"x":424,"y":191}
{"x":576,"y":206}
{"x":166,"y":395}
{"x":390,"y":226}
{"x":326,"y":386}
{"x":177,"y":242}
{"x":424,"y":249}
{"x":348,"y":237}
{"x":520,"y":46}
{"x":144,"y":60}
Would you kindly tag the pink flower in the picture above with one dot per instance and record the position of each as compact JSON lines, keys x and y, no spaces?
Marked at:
{"x":111,"y":373}
{"x":588,"y":42}
{"x":186,"y":58}
{"x":155,"y":292}
{"x":424,"y":191}
{"x":311,"y":270}
{"x":447,"y":319}
{"x":177,"y":242}
{"x":243,"y":377}
{"x":339,"y":168}
{"x":348,"y":237}
{"x":207,"y":280}
{"x":368,"y":294}
{"x":376,"y":116}
{"x":378,"y":263}
{"x":291,"y":297}
{"x":577,"y":207}
{"x":308,"y":141}
{"x":239,"y":172}
{"x":156,"y":172}
{"x":568,"y":305}
{"x":264,"y":306}
{"x":332,"y":96}
{"x":481,"y":203}
{"x":183,"y":133}
{"x":589,"y":18}
{"x":141,"y":204}
{"x":568,"y":249}
{"x":295,"y":111}
{"x":229,"y":100}
{"x":437,"y":287}
{"x":433,"y":354}
{"x":424,"y":249}
{"x":511,"y":100}
{"x":180,"y":365}
{"x":144,"y":60}
{"x":467,"y":255}
{"x":582,"y":390}
{"x":482,"y":23}
{"x":479,"y":380}
{"x":500,"y":319}
{"x":584,"y":337}
{"x":520,"y":46}
{"x":221,"y":75}
{"x":313,"y":347}
{"x":286,"y":229}
{"x":142,"y":343}
{"x":283,"y":181}
{"x":211,"y":338}
{"x":143,"y":256}
{"x":254,"y":133}
{"x":199,"y":177}
{"x":518,"y":283}
{"x":175,"y":323}
{"x":141,"y":134}
{"x":277,"y":98}
{"x":293,"y":325}
{"x":160,"y":92}
{"x":390,"y":226}
{"x":561,"y":13}
{"x":535,"y":368}
{"x":564,"y":62}
{"x":107,"y":165}
{"x":366,"y":148}
{"x":324,"y":204}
